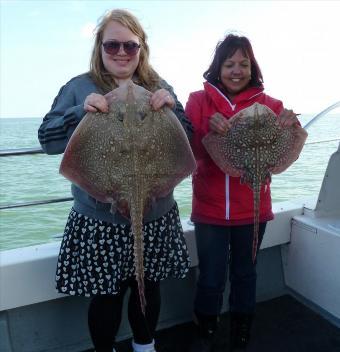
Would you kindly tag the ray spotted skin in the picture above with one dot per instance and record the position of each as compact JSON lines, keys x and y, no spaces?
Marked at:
{"x":254,"y":147}
{"x":127,"y":157}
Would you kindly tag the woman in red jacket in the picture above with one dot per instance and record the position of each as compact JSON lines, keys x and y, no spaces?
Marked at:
{"x":222,"y":208}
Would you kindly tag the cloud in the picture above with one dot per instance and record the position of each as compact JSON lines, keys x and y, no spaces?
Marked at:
{"x":34,"y":13}
{"x":87,"y":30}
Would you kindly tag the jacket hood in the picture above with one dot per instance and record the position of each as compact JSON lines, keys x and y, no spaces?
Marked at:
{"x":216,"y":94}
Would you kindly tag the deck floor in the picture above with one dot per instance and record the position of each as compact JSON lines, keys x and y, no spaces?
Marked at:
{"x":281,"y":325}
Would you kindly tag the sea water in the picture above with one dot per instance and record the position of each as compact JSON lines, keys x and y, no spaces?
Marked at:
{"x":35,"y":177}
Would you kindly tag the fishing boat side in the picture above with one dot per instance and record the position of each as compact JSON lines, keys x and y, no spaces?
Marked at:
{"x":34,"y":317}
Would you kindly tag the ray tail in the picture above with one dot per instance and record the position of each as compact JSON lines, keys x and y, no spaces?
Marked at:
{"x":256,"y":192}
{"x":136,"y":213}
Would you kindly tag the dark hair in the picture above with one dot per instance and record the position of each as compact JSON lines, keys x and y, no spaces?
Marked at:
{"x":226,"y":49}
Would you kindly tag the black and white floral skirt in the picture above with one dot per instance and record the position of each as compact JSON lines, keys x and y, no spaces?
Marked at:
{"x":95,"y":256}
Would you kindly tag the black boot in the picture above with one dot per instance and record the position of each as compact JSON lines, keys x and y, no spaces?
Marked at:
{"x":240,"y":325}
{"x":205,"y":331}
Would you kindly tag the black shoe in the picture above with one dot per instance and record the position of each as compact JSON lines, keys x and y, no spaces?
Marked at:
{"x":240,"y":325}
{"x":204,"y":339}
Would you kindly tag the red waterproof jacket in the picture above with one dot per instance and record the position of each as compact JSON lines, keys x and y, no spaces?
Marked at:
{"x":219,"y":198}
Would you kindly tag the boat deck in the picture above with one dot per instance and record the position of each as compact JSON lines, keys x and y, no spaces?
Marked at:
{"x":282,"y":324}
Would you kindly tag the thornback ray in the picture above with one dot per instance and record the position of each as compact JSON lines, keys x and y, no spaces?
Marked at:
{"x":129,"y":157}
{"x":255,"y":147}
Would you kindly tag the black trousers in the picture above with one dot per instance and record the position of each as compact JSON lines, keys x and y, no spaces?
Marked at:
{"x":223,"y":248}
{"x":105,"y":315}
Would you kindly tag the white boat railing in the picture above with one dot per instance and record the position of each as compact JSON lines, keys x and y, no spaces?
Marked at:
{"x":320,"y":114}
{"x":31,"y":151}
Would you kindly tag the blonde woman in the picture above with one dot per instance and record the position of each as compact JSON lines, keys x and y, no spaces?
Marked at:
{"x":120,"y":53}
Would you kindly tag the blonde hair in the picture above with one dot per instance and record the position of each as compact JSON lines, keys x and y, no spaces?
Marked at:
{"x":145,"y":75}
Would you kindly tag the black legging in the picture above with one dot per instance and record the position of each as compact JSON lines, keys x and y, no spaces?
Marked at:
{"x":105,"y":314}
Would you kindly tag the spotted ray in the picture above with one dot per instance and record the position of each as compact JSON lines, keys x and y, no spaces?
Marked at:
{"x":129,"y":157}
{"x":255,"y":147}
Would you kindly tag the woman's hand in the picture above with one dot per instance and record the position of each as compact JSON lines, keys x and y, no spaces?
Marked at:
{"x":219,"y":124}
{"x":288,"y":118}
{"x":96,"y":103}
{"x":160,"y":98}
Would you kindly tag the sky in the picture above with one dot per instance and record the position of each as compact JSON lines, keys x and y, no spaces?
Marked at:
{"x":44,"y":43}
